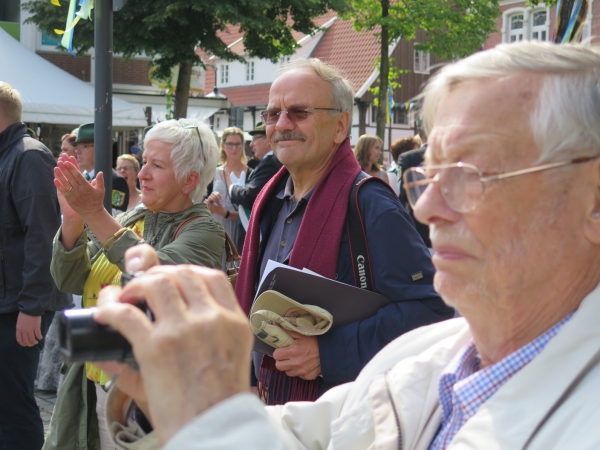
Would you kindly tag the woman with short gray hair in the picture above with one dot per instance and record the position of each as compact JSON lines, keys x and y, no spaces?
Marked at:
{"x":180,"y":160}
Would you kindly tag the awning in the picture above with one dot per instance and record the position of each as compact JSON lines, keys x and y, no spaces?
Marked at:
{"x":51,"y":95}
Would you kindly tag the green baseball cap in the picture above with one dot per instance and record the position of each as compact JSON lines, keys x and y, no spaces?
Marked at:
{"x":85,"y":133}
{"x":259,"y":129}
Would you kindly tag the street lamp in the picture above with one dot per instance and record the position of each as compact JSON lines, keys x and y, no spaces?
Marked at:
{"x":215,"y":93}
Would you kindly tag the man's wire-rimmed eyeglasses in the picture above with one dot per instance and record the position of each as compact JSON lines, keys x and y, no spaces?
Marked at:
{"x":462,"y":185}
{"x":294,"y":114}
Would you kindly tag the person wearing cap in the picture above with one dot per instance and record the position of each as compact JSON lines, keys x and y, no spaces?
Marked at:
{"x":84,"y":148}
{"x":29,"y":218}
{"x":268,"y":166}
{"x":181,"y":158}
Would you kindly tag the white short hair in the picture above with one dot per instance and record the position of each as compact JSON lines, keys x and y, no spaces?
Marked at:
{"x":189,"y":153}
{"x":565,"y":121}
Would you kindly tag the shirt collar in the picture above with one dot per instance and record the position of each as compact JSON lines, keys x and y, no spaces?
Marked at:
{"x":288,"y":191}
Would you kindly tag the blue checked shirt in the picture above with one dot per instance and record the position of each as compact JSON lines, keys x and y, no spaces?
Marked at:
{"x":463,"y":388}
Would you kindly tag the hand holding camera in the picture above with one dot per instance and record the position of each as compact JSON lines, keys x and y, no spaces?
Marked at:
{"x":195,"y":354}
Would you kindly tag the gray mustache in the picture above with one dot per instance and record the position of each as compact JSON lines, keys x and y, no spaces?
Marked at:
{"x":287,"y":136}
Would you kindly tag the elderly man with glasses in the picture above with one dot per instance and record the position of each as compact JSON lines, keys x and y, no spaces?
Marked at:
{"x":301,"y":216}
{"x":511,"y":193}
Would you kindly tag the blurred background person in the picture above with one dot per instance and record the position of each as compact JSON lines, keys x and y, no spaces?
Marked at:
{"x":244,"y":196}
{"x":233,"y":170}
{"x":67,"y":144}
{"x":368,"y":153}
{"x":181,"y":158}
{"x":85,"y":150}
{"x":129,"y":167}
{"x":400,"y":146}
{"x":29,"y":218}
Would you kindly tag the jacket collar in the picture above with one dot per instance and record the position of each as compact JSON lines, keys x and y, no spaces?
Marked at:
{"x":518,"y":407}
{"x":12,"y":134}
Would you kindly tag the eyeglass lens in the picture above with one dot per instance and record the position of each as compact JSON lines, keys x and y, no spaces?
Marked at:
{"x":460,"y":186}
{"x":271,"y":116}
{"x":233,"y":144}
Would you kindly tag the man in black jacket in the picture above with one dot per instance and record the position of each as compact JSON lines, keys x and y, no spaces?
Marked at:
{"x":29,"y":219}
{"x":84,"y":147}
{"x":412,"y":158}
{"x":268,"y":166}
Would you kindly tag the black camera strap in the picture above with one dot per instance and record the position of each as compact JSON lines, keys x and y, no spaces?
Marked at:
{"x":357,"y":235}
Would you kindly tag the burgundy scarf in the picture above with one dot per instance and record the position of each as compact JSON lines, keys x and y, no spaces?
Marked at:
{"x":316,"y":248}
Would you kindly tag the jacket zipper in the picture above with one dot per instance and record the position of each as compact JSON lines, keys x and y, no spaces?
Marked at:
{"x":396,"y":416}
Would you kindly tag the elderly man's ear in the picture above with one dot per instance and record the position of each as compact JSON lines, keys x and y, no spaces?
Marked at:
{"x":341,"y":133}
{"x":592,"y":224}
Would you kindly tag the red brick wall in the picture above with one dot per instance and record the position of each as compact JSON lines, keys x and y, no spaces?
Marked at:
{"x":133,"y":71}
{"x":76,"y":66}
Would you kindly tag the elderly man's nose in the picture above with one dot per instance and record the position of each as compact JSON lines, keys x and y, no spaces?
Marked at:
{"x":284,"y":122}
{"x":432,"y":206}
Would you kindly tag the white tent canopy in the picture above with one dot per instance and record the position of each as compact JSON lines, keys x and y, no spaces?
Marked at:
{"x":51,"y":95}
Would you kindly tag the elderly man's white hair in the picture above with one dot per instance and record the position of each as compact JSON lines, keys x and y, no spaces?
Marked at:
{"x":341,"y":89}
{"x":189,"y":154}
{"x":566,"y":119}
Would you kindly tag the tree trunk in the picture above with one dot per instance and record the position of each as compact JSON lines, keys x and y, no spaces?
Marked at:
{"x":182,"y":93}
{"x":384,"y":69}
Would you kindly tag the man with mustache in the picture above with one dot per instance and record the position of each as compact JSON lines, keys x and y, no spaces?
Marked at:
{"x":511,"y":193}
{"x":299,"y":219}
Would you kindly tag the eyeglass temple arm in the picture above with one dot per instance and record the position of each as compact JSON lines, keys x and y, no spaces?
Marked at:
{"x":537,"y":168}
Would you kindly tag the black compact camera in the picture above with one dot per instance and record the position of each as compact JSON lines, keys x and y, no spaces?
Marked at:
{"x":84,"y":339}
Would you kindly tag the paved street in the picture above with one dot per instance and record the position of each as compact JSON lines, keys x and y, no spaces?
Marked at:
{"x":46,"y":401}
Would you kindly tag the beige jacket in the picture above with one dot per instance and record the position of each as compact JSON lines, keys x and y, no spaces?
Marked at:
{"x":393,"y":404}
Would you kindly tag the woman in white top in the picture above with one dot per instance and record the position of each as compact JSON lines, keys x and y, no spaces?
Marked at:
{"x":231,"y":171}
{"x":368,"y":152}
{"x":129,"y":167}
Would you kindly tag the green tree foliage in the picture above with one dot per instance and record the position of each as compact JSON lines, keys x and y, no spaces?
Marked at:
{"x":169,"y":31}
{"x":453,"y":28}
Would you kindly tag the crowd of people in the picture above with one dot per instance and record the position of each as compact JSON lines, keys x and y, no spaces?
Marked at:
{"x":489,"y":343}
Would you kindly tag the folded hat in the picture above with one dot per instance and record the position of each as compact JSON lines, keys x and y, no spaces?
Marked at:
{"x":273,"y":313}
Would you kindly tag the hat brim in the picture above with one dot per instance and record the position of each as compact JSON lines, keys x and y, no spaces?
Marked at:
{"x":280,"y":304}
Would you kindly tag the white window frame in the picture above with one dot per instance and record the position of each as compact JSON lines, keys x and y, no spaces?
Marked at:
{"x":421,"y":61}
{"x":224,"y":69}
{"x":250,"y":71}
{"x":528,"y":29}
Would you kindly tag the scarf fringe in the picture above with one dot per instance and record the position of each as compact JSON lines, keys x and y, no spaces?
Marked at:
{"x":284,"y":387}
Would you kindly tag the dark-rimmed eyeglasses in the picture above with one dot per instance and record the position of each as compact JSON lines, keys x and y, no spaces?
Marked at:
{"x":294,"y":114}
{"x":462,"y":185}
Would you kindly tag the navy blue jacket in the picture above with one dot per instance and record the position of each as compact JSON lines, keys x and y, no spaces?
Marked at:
{"x":397,"y":252}
{"x":29,"y":219}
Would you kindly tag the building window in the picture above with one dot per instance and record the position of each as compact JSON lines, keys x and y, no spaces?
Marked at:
{"x":516,"y":28}
{"x":250,"y":71}
{"x":538,"y":29}
{"x":373,"y":114}
{"x":283,"y":60}
{"x":421,"y":61}
{"x":400,"y":115}
{"x":50,"y":39}
{"x":524,"y":24}
{"x":217,"y":122}
{"x":224,"y":73}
